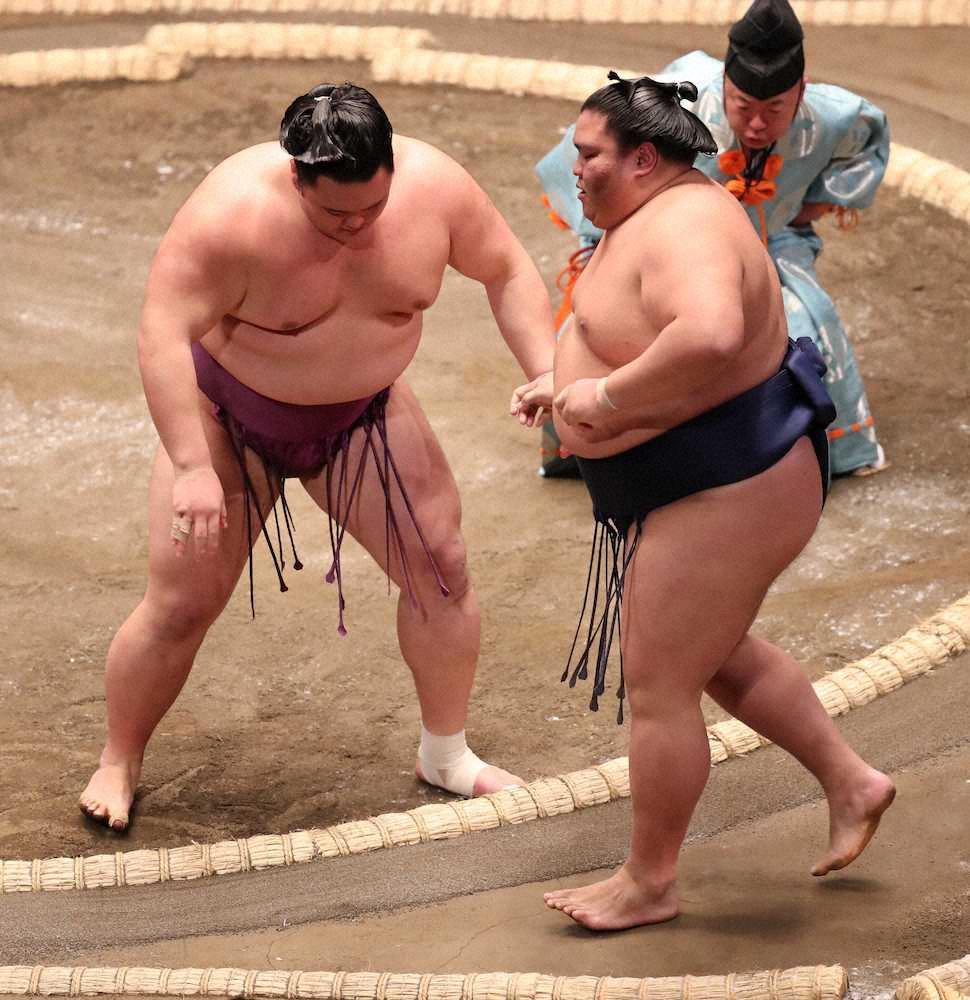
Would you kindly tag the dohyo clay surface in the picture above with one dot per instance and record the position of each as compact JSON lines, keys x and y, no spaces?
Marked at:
{"x":284,"y":727}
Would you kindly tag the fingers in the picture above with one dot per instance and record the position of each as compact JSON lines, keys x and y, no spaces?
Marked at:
{"x":531,"y":398}
{"x":181,"y":531}
{"x":533,"y":416}
{"x":200,"y":533}
{"x":203,"y":530}
{"x":527,"y":398}
{"x":214,"y":526}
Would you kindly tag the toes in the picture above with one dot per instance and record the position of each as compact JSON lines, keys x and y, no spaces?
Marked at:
{"x":494,"y":779}
{"x":94,"y":809}
{"x":557,"y":898}
{"x":828,"y":865}
{"x":100,"y":812}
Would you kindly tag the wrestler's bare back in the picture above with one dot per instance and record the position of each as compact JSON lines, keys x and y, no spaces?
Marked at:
{"x":622,"y":302}
{"x":356,"y":301}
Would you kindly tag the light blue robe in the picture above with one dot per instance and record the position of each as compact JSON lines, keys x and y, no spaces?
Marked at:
{"x":836,"y":152}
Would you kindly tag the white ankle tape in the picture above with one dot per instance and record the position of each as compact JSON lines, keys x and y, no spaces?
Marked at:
{"x":449,"y":763}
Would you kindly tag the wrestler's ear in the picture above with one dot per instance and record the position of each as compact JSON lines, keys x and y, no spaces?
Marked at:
{"x":646,"y":159}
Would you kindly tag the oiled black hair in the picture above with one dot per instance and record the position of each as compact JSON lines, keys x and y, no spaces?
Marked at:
{"x":647,"y":110}
{"x":337,"y":131}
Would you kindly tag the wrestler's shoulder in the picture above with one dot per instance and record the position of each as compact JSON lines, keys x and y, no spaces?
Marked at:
{"x":232,"y":194}
{"x":698,"y":207}
{"x":250,"y":171}
{"x":695,"y":223}
{"x":420,"y":163}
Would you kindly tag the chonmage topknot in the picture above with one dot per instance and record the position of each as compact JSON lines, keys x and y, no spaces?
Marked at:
{"x":686,"y":91}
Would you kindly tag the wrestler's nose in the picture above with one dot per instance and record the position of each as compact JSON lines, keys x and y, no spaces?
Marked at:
{"x":354,"y":223}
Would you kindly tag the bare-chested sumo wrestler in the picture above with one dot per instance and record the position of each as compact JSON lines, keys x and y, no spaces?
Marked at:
{"x":282,"y":309}
{"x":701,"y":434}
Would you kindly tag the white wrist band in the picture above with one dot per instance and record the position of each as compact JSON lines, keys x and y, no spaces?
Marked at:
{"x":602,"y":398}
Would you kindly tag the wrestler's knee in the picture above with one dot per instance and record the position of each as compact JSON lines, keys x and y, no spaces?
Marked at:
{"x":660,"y":692}
{"x":176,"y":618}
{"x":450,"y":555}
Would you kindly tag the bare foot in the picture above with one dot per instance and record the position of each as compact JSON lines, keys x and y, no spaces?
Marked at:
{"x":489,"y":779}
{"x":616,"y":903}
{"x":853,"y":819}
{"x":494,"y":779}
{"x":109,"y":794}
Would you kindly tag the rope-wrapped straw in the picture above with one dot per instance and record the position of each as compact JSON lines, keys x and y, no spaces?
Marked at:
{"x":934,"y":181}
{"x":802,"y":983}
{"x":439,"y":821}
{"x":168,"y":50}
{"x":945,"y":635}
{"x":898,"y":13}
{"x":945,"y":982}
{"x":504,"y":74}
{"x":124,"y":62}
{"x":269,"y":40}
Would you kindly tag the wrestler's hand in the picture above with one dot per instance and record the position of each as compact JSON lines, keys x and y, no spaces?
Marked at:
{"x":532,"y":402}
{"x":197,"y":497}
{"x":580,"y":408}
{"x":811,"y":211}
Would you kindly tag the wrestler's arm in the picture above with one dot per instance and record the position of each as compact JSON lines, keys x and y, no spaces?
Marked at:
{"x":191,"y":286}
{"x":692,"y":292}
{"x":484,"y":248}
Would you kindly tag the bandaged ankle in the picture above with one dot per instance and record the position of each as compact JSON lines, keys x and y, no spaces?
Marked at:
{"x":449,"y":763}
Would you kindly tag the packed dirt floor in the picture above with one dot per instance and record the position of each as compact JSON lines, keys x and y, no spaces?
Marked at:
{"x":283,"y":725}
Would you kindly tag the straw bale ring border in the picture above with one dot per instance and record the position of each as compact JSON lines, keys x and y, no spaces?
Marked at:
{"x":855,"y":13}
{"x":168,"y":50}
{"x":52,"y":67}
{"x":282,"y":40}
{"x":801,"y":983}
{"x":933,"y":181}
{"x":923,"y":647}
{"x":165,"y":55}
{"x":943,"y":636}
{"x":945,"y":982}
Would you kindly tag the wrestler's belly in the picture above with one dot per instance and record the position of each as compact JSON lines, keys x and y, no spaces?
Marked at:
{"x":339,"y":360}
{"x":759,"y":359}
{"x":575,"y":360}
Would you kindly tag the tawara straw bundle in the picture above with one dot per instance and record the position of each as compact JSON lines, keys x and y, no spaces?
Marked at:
{"x":897,"y":13}
{"x":945,"y":982}
{"x":804,"y":983}
{"x":945,"y":635}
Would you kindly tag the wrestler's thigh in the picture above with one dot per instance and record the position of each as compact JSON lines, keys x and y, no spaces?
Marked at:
{"x":703,"y":567}
{"x":193,"y":584}
{"x":430,"y":486}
